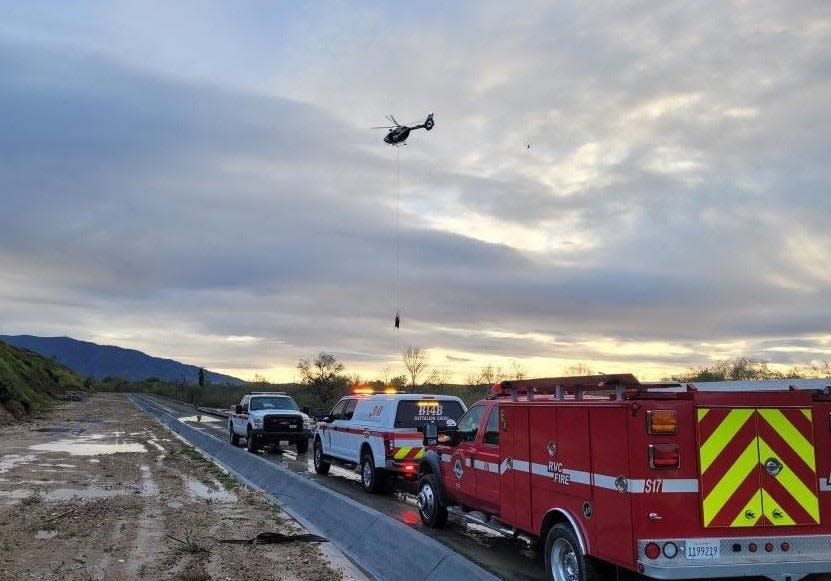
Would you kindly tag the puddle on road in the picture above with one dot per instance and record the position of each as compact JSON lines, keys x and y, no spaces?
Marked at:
{"x":200,"y":491}
{"x":148,"y":485}
{"x":10,"y":461}
{"x":90,"y":445}
{"x":72,"y":431}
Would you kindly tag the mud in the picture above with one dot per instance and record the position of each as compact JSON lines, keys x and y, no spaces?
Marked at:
{"x":96,"y":490}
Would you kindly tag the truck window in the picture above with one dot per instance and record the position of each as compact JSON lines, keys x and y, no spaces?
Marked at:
{"x":492,"y":429}
{"x":349,"y":409}
{"x":469,"y":424}
{"x":337,"y":411}
{"x":274,"y":403}
{"x":416,"y":413}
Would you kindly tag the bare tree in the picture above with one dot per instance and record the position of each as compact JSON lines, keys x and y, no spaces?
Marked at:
{"x":518,"y":370}
{"x":416,"y":362}
{"x":324,"y":378}
{"x":578,"y":368}
{"x":491,"y":374}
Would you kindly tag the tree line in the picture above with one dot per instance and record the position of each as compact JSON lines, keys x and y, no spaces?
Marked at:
{"x":323,"y":380}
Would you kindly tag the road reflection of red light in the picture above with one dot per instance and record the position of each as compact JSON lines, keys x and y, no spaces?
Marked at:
{"x":410,"y":517}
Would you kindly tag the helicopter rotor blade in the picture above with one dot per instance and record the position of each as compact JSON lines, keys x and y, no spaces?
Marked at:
{"x":391,"y":118}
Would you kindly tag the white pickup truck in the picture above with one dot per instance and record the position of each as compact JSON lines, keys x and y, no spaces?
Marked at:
{"x":269,"y":418}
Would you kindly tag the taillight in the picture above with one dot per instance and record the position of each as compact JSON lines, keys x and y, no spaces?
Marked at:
{"x":662,"y":422}
{"x":664,"y":456}
{"x":652,"y":550}
{"x":388,"y":444}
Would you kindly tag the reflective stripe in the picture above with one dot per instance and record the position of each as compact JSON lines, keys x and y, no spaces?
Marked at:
{"x":669,"y":485}
{"x":793,"y":437}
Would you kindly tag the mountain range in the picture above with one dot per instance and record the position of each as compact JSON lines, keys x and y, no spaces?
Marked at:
{"x":99,"y":361}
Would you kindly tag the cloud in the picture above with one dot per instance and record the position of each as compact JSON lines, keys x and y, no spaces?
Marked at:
{"x":174,"y":185}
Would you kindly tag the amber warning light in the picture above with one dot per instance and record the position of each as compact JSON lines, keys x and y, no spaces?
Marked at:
{"x":662,"y":422}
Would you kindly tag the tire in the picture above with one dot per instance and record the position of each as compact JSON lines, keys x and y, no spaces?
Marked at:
{"x":249,"y":442}
{"x":232,"y":436}
{"x":564,"y":561}
{"x":431,"y":507}
{"x":371,"y":478}
{"x":321,"y":465}
{"x":303,"y":446}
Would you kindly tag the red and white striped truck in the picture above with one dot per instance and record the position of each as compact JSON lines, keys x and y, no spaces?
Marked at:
{"x":665,"y":480}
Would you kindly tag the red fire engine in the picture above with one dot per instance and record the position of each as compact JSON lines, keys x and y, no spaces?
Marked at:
{"x":667,"y":481}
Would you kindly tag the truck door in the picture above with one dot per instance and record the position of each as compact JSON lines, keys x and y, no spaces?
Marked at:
{"x":240,"y":420}
{"x":609,"y":440}
{"x":461,"y":476}
{"x":487,"y":464}
{"x":331,"y":442}
{"x":757,"y":466}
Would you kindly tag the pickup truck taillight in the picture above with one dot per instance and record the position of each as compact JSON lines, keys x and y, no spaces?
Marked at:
{"x":388,"y":444}
{"x":664,"y":456}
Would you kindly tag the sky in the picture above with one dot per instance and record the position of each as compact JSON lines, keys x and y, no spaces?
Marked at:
{"x":634,"y":186}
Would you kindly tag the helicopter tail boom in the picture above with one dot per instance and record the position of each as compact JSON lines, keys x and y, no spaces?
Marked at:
{"x":429,"y":123}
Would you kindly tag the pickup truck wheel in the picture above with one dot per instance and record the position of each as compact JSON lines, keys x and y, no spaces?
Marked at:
{"x":249,"y":441}
{"x":232,"y":436}
{"x":431,"y":509}
{"x":370,"y":477}
{"x":564,"y":561}
{"x":321,"y":465}
{"x":303,"y":446}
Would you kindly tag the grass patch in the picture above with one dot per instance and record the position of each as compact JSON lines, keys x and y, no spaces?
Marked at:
{"x":229,"y":482}
{"x":189,"y":544}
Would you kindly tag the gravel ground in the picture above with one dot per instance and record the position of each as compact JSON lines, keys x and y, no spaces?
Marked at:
{"x":97,"y":490}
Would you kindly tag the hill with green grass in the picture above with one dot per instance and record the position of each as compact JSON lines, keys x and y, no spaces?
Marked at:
{"x":30,"y":383}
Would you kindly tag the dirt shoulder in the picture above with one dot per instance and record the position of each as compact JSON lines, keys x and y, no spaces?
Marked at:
{"x":98,"y":490}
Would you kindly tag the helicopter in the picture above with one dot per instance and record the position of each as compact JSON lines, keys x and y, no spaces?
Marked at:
{"x":399,"y":133}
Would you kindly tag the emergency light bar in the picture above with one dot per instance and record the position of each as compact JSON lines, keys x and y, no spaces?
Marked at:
{"x":366,"y":390}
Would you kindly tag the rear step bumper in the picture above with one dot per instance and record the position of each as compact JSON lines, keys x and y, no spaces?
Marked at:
{"x":806,"y":555}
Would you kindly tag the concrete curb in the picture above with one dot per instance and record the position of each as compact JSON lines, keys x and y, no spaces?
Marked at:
{"x":382,"y":546}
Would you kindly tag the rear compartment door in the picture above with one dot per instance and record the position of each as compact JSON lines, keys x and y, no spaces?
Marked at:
{"x":757,"y":467}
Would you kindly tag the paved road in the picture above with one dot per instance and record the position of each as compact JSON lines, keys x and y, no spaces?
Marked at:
{"x":504,"y":557}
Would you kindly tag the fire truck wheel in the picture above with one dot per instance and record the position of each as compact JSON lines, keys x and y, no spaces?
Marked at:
{"x":371,"y":478}
{"x":233,"y":437}
{"x":564,"y":561}
{"x":321,"y":465}
{"x":303,"y":446}
{"x":249,"y":441}
{"x":431,"y":509}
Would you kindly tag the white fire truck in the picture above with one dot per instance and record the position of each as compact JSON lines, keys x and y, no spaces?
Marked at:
{"x":668,"y":481}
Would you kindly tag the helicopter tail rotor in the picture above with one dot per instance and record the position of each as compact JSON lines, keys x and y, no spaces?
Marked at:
{"x":429,"y":123}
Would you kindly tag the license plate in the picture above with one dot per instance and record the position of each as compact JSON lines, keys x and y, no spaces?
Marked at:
{"x":702,"y":549}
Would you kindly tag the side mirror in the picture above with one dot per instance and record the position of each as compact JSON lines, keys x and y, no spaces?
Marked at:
{"x":305,"y":410}
{"x":431,"y":434}
{"x":238,"y":408}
